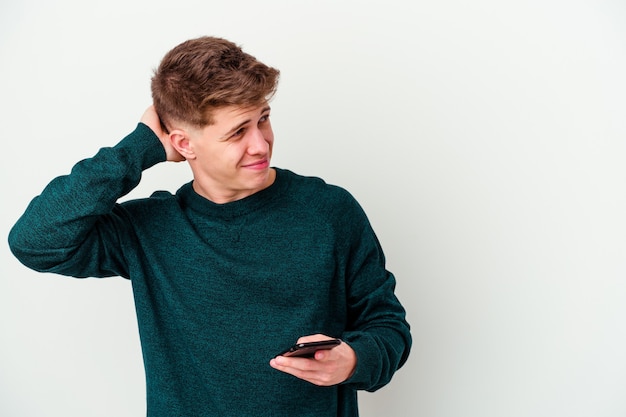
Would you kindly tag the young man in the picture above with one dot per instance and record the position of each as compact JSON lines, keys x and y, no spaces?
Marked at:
{"x":238,"y":264}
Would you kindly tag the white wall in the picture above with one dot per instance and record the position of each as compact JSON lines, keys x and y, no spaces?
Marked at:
{"x":485,"y":139}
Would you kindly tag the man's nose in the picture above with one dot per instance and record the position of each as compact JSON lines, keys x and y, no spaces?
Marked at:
{"x":257,"y":144}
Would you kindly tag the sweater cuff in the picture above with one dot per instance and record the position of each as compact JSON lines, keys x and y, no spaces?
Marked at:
{"x":366,"y":358}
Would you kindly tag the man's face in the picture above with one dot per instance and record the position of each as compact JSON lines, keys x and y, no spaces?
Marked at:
{"x":231,"y":157}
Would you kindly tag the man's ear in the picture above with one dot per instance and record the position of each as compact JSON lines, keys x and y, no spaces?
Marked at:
{"x":180,"y":141}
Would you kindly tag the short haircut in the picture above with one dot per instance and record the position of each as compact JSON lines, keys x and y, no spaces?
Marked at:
{"x":204,"y":74}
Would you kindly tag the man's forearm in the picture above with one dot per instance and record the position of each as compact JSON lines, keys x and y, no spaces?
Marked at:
{"x":59,"y":220}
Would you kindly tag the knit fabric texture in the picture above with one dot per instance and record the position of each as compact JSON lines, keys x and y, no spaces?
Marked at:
{"x":220,"y":289}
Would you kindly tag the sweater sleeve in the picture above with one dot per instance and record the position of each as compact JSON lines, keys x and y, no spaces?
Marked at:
{"x":378,"y":331}
{"x":74,"y":226}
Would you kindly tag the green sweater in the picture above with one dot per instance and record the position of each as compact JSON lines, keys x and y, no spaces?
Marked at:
{"x":220,"y":289}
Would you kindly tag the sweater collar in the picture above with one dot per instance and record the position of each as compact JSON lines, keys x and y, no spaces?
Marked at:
{"x":189,"y":198}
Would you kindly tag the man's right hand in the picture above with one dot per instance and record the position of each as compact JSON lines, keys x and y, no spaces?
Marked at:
{"x":151,"y":119}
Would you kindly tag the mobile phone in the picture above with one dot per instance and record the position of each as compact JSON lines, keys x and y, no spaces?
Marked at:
{"x":308,"y":349}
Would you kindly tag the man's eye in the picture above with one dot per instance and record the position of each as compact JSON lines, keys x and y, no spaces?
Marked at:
{"x":264,"y":118}
{"x":238,"y":133}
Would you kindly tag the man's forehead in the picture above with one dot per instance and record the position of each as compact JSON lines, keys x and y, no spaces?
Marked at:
{"x":228,"y":117}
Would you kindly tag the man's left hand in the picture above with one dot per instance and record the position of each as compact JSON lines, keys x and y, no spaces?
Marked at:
{"x":328,"y":367}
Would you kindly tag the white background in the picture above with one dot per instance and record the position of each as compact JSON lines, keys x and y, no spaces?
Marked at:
{"x":485,"y":139}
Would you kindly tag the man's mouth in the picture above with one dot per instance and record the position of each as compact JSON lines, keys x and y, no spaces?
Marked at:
{"x":262,"y":164}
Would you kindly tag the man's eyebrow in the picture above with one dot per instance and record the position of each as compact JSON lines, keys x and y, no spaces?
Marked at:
{"x":243,"y":123}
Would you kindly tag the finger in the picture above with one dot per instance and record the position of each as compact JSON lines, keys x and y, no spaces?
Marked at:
{"x":313,"y":338}
{"x":303,"y":364}
{"x":310,"y":375}
{"x":322,"y":355}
